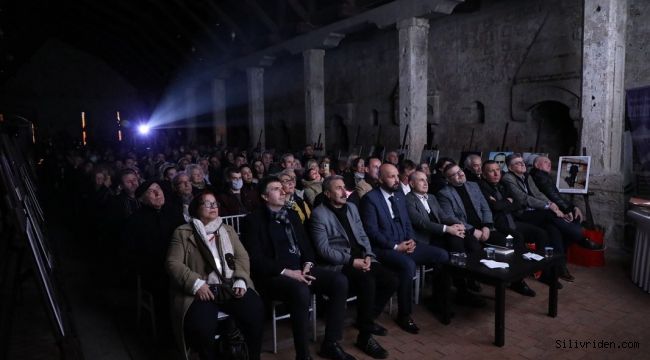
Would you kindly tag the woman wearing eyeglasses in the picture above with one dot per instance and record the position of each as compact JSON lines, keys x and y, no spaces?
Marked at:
{"x":209,"y":271}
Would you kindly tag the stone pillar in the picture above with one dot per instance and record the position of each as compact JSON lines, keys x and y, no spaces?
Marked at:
{"x":314,"y":74}
{"x":219,"y":111}
{"x":603,"y":104}
{"x":413,"y":56}
{"x":191,"y":114}
{"x":255,"y":78}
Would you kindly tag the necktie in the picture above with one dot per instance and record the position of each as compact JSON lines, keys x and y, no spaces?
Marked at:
{"x":393,"y":206}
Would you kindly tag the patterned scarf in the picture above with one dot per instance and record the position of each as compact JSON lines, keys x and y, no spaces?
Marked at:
{"x":282,"y":216}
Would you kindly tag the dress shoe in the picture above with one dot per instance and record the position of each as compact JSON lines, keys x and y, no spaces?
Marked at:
{"x":407,"y":324}
{"x":588,"y":244}
{"x":566,"y":275}
{"x":473,"y":285}
{"x":332,"y":350}
{"x":522,"y":288}
{"x":547,"y":281}
{"x":442,"y":312}
{"x":371,"y":347}
{"x":375,"y":329}
{"x":378,"y":330}
{"x":469,"y":299}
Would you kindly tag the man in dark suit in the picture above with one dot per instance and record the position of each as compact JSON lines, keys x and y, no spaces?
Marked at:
{"x":434,"y":226}
{"x":344,"y":246}
{"x":387,"y":224}
{"x":282,"y":266}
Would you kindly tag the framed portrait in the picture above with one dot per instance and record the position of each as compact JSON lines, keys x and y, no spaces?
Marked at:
{"x":573,"y":174}
{"x":500,"y":158}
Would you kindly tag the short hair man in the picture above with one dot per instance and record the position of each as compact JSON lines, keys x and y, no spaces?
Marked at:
{"x":464,"y":201}
{"x":233,"y":201}
{"x":287,"y":161}
{"x":371,"y":177}
{"x":342,"y":243}
{"x":473,"y":168}
{"x":541,"y":174}
{"x":387,"y":224}
{"x":406,"y":168}
{"x":282,"y":266}
{"x":538,"y":209}
{"x":392,"y":157}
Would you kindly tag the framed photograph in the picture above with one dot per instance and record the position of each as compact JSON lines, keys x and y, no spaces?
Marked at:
{"x":500,"y":158}
{"x":573,"y":174}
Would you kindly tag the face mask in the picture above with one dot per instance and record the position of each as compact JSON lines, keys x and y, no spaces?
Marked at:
{"x":359,"y":175}
{"x":237,"y":184}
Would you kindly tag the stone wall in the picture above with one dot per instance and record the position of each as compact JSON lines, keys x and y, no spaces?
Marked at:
{"x":486,"y":69}
{"x":637,"y":70}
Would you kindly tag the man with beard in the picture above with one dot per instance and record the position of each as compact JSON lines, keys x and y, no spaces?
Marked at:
{"x":387,"y":224}
{"x":344,"y":246}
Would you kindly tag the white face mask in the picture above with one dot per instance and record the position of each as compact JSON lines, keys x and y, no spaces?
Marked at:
{"x":359,"y":175}
{"x":237,"y":184}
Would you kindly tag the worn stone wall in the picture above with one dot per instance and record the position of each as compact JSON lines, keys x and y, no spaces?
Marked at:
{"x":509,"y":56}
{"x":637,"y":69}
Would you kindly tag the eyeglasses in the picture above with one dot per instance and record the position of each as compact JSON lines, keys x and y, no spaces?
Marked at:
{"x":210,"y":205}
{"x":288,"y":181}
{"x":457,"y":173}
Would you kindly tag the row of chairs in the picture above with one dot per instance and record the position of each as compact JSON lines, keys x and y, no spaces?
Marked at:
{"x":145,"y":299}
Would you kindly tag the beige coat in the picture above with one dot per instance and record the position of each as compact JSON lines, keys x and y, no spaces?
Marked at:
{"x":185,"y":265}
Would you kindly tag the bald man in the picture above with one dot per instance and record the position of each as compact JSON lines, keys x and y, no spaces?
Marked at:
{"x":385,"y":218}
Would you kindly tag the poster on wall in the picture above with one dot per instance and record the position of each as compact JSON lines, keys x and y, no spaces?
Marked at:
{"x":573,"y":174}
{"x":500,"y":158}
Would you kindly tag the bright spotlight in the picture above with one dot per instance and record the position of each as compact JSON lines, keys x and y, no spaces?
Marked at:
{"x":143,"y":129}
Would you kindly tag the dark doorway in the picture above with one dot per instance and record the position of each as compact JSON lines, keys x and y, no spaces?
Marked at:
{"x":554,"y":130}
{"x":337,"y":135}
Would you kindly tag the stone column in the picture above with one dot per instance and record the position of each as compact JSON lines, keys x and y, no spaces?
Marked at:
{"x":603,"y":104}
{"x":219,"y":111}
{"x":314,"y":74}
{"x":191,"y":114}
{"x":255,"y":78}
{"x":413,"y":58}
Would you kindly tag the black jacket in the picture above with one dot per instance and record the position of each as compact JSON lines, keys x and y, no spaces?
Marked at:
{"x":263,"y":249}
{"x":499,"y":207}
{"x":546,"y":184}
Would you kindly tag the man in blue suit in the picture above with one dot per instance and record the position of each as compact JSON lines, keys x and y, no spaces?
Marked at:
{"x":387,"y":224}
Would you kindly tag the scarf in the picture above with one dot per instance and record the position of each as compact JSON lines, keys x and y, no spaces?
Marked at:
{"x":282,"y":216}
{"x":214,"y":234}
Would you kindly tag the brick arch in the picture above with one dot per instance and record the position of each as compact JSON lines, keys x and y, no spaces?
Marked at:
{"x":527,"y":97}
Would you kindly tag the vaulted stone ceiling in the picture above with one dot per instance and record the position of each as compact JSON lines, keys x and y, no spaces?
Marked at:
{"x":147,"y":41}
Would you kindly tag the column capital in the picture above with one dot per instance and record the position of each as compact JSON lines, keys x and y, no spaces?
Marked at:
{"x":313,"y":53}
{"x":413,"y":22}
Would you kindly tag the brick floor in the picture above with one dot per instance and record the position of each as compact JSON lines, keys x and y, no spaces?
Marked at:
{"x":601,"y":305}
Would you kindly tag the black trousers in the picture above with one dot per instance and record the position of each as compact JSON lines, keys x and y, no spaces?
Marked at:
{"x":545,"y":219}
{"x":201,"y":324}
{"x":297,"y":296}
{"x":373,"y":289}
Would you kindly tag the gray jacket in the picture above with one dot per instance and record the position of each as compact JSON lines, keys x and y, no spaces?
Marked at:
{"x":518,"y":190}
{"x":330,"y":239}
{"x":423,"y":226}
{"x":451,"y":203}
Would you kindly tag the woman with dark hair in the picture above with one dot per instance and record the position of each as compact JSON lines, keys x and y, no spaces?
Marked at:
{"x":210,"y":272}
{"x":259,"y":171}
